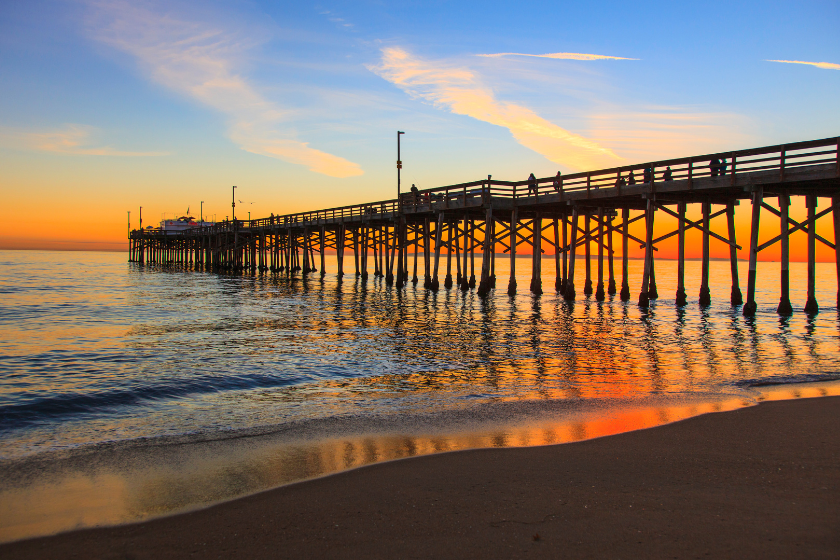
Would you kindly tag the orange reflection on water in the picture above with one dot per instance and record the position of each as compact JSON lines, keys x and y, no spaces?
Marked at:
{"x":205,"y":474}
{"x":170,"y":479}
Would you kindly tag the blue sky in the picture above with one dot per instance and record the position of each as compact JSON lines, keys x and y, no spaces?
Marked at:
{"x":111,"y":105}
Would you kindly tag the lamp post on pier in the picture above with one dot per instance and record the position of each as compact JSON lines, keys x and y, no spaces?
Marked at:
{"x":202,"y":213}
{"x":399,"y":164}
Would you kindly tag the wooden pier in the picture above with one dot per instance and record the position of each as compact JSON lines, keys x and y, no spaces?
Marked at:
{"x":580,"y":212}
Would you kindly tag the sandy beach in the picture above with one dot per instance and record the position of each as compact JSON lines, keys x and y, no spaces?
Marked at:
{"x":756,"y":482}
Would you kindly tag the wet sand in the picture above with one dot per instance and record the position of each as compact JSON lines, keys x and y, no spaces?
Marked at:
{"x":756,"y":482}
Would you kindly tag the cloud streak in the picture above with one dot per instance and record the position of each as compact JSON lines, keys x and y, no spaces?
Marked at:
{"x":562,"y":56}
{"x":73,"y":139}
{"x":823,"y":65}
{"x":460,"y":91}
{"x":199,"y":60}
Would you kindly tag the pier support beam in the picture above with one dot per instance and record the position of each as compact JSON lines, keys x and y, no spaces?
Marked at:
{"x":757,"y":198}
{"x":484,"y":285}
{"x":681,"y":295}
{"x":434,"y":284}
{"x":644,"y":299}
{"x":811,"y":306}
{"x":514,"y":226}
{"x":735,"y":296}
{"x":625,"y":239}
{"x":447,"y":282}
{"x":472,"y":254}
{"x":558,"y":277}
{"x":705,"y":294}
{"x":599,"y":290}
{"x":784,"y":300}
{"x":569,"y":294}
{"x":536,"y":246}
{"x":566,"y":255}
{"x":610,"y":255}
{"x":835,"y":204}
{"x":587,"y":284}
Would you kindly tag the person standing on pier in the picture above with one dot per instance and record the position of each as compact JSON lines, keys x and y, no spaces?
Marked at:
{"x":667,"y":175}
{"x":558,"y":182}
{"x":631,"y":179}
{"x":647,"y":177}
{"x":723,"y":166}
{"x":714,"y":167}
{"x":532,"y":184}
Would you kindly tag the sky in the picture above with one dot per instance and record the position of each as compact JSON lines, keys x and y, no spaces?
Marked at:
{"x":110,"y":106}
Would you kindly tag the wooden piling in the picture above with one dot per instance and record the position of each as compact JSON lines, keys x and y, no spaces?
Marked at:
{"x":484,"y":285}
{"x":587,"y":284}
{"x":569,"y":294}
{"x":705,"y":294}
{"x":472,"y":253}
{"x":416,"y":242}
{"x":625,"y":239}
{"x":811,"y":306}
{"x":427,"y":261}
{"x":435,"y":285}
{"x":447,"y":281}
{"x":681,"y":298}
{"x":599,"y":290}
{"x":644,"y":298}
{"x":514,"y":232}
{"x":757,"y":198}
{"x":558,"y":277}
{"x":611,"y":288}
{"x":835,"y":212}
{"x":565,"y":253}
{"x":536,"y":246}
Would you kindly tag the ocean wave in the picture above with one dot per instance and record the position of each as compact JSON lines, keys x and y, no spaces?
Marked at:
{"x":787,"y":380}
{"x":15,"y":416}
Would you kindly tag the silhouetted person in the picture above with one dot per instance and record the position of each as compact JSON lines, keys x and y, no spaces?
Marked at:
{"x":714,"y":167}
{"x":558,"y":182}
{"x":631,"y":179}
{"x":667,"y":175}
{"x":415,"y":193}
{"x":532,"y":184}
{"x":647,"y":175}
{"x":620,"y":182}
{"x":723,"y":166}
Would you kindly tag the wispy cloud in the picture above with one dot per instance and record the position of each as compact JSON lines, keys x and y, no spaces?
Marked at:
{"x":655,"y":133}
{"x":460,"y":91}
{"x":824,"y":65}
{"x":560,"y":55}
{"x":199,"y":60}
{"x":74,"y":139}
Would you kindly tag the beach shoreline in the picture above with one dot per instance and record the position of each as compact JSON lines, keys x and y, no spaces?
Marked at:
{"x":760,"y":480}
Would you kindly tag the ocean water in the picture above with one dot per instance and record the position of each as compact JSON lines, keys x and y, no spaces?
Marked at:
{"x":151,"y":390}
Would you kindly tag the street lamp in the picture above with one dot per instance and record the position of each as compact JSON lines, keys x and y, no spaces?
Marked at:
{"x":202,"y":212}
{"x":399,"y":164}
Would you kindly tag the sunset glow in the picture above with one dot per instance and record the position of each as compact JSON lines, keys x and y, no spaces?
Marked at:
{"x":110,"y":106}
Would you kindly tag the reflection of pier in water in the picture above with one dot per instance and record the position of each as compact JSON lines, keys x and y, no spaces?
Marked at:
{"x":569,"y":214}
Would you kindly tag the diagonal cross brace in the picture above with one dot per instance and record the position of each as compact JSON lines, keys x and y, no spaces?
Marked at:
{"x":797,"y":226}
{"x":696,"y":225}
